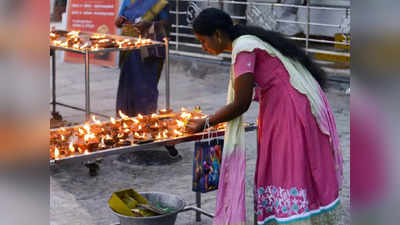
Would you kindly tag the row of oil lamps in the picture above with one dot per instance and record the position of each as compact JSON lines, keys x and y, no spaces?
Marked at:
{"x":73,"y":40}
{"x":96,"y":135}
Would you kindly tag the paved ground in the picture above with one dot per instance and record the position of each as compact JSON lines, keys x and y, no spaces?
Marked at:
{"x":78,"y":199}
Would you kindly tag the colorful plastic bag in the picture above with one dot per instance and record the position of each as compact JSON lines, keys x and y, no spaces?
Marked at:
{"x":207,"y":164}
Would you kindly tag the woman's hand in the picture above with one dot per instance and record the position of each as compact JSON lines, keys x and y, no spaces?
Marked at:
{"x":195,"y":125}
{"x":143,"y":26}
{"x":119,"y":21}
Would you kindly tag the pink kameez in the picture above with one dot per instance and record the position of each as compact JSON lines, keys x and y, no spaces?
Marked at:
{"x":295,"y":178}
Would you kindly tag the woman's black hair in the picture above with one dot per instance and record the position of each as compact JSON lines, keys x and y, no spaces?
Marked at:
{"x":211,"y":19}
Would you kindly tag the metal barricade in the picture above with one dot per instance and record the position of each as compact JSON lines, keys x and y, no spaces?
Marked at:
{"x":323,"y":30}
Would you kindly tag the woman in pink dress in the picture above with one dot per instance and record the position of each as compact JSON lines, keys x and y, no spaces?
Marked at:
{"x":299,"y":165}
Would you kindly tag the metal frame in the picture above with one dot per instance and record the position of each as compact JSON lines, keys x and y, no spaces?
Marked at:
{"x":86,"y":54}
{"x":198,"y":136}
{"x":177,"y":34}
{"x":134,"y":147}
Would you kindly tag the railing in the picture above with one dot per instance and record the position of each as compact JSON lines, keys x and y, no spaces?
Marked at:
{"x":317,"y":37}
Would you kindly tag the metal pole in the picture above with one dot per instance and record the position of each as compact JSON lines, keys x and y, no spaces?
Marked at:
{"x":308,"y":26}
{"x":198,"y":205}
{"x":87,"y":86}
{"x":53,"y":67}
{"x":167,"y":81}
{"x":177,"y":24}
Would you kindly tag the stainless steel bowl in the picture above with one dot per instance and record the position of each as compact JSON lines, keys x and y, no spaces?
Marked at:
{"x":166,"y":200}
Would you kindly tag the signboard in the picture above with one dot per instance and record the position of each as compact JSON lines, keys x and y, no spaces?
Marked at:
{"x":93,"y":16}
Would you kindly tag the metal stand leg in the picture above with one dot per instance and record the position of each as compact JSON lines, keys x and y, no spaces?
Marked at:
{"x":167,"y":84}
{"x":54,"y":113}
{"x":53,"y":68}
{"x":198,"y":205}
{"x":87,"y":86}
{"x":93,"y":166}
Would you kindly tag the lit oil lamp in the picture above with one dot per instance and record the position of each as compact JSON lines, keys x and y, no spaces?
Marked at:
{"x":113,"y":125}
{"x":123,"y":116}
{"x":52,"y":36}
{"x":109,"y":141}
{"x":91,"y":141}
{"x":102,"y":145}
{"x":112,"y":120}
{"x":71,"y":148}
{"x":81,"y":132}
{"x":80,"y":150}
{"x":95,"y":47}
{"x":64,"y":44}
{"x":95,"y":128}
{"x":155,"y":126}
{"x":180,"y":124}
{"x":125,"y":126}
{"x":158,"y":136}
{"x":165,"y":134}
{"x":164,"y":111}
{"x":73,"y":33}
{"x":56,"y":153}
{"x":186,"y":115}
{"x":177,"y":133}
{"x":135,"y":121}
{"x":123,"y":142}
{"x":83,"y":47}
{"x":97,"y":122}
{"x":87,"y":127}
{"x":76,"y":46}
{"x":57,"y":42}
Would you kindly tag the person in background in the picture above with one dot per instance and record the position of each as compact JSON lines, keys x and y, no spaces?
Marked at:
{"x":299,"y":163}
{"x":141,"y":69}
{"x":58,"y":10}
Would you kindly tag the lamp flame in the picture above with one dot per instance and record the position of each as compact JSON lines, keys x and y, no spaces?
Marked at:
{"x":56,"y":153}
{"x":81,"y":132}
{"x":180,"y":123}
{"x":186,"y":115}
{"x":71,"y":147}
{"x":95,"y":121}
{"x":123,"y":116}
{"x":89,"y":136}
{"x":178,"y":132}
{"x":165,"y":134}
{"x":87,"y":127}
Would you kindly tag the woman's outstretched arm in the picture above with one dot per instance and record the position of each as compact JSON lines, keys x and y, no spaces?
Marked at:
{"x":243,"y":88}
